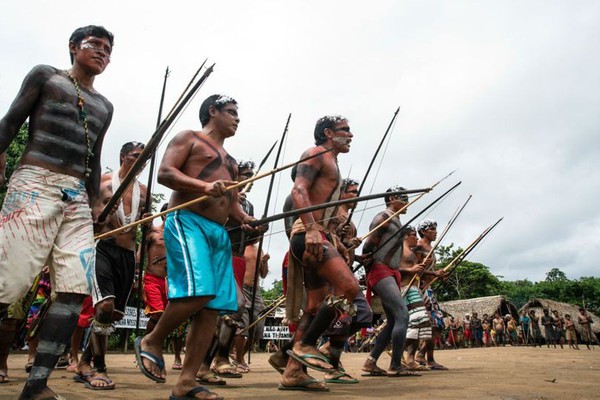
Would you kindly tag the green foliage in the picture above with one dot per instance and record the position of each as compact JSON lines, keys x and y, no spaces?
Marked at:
{"x":472,"y":279}
{"x":467,"y":280}
{"x":520,"y":291}
{"x":13,"y":155}
{"x":274,"y":293}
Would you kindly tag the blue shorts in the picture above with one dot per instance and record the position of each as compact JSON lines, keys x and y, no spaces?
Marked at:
{"x":199,"y":260}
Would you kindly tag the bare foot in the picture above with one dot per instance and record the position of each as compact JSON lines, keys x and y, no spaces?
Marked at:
{"x":148,"y":349}
{"x":311,"y":357}
{"x":100,"y":381}
{"x":279,"y":360}
{"x":195,"y":392}
{"x":371,"y":368}
{"x":28,"y":393}
{"x":300,"y":378}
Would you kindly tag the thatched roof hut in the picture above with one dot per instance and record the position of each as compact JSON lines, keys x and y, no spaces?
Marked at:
{"x":481,"y":305}
{"x":563,"y":308}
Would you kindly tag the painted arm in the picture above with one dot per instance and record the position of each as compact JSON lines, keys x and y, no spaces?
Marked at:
{"x":21,"y":108}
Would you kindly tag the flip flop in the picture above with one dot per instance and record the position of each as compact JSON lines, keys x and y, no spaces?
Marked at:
{"x":402,"y":373}
{"x":226,"y":371}
{"x":374,"y":372}
{"x":28,"y":367}
{"x":140,"y":354}
{"x":211,"y":379}
{"x":337,"y":378}
{"x":82,"y":378}
{"x":242,"y":368}
{"x":4,"y":377}
{"x":176,"y":366}
{"x":416,"y":367}
{"x":110,"y":385}
{"x":192,"y":394}
{"x":302,"y":359}
{"x":305,"y":386}
{"x":437,"y":367}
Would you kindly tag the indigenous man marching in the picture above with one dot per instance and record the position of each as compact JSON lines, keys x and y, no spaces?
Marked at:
{"x":154,"y":289}
{"x":54,"y":187}
{"x":384,"y":278}
{"x":230,"y":324}
{"x":315,"y":246}
{"x":419,"y":325}
{"x":339,"y":331}
{"x":199,"y":271}
{"x":427,"y":230}
{"x":115,"y":268}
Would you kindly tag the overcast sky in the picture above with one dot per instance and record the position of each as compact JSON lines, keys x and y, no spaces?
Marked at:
{"x":505,"y":93}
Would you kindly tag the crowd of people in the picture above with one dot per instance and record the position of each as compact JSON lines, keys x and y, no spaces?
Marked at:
{"x":550,"y":329}
{"x":202,"y":261}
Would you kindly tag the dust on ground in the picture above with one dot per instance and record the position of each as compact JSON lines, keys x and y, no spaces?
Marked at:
{"x":506,"y":373}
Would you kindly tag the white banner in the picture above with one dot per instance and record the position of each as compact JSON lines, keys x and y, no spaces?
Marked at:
{"x":130,"y":318}
{"x":276,"y":333}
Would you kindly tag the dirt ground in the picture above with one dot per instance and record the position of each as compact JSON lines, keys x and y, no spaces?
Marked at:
{"x":508,"y":373}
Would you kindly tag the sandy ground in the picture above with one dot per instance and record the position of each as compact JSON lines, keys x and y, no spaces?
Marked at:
{"x":507,"y":373}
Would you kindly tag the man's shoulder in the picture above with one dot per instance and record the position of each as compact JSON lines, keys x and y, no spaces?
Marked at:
{"x":313,"y":151}
{"x":44,"y":69}
{"x":41,"y":73}
{"x":189,"y":137}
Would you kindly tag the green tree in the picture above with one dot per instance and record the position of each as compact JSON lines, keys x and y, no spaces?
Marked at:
{"x":13,"y":155}
{"x":519,"y":292}
{"x":274,"y":293}
{"x":467,"y":280}
{"x":556,"y":275}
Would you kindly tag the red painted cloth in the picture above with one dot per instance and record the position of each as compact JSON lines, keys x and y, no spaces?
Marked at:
{"x":154,"y":293}
{"x":376,"y":273}
{"x":239,"y":270}
{"x":87,"y":313}
{"x":292,"y":327}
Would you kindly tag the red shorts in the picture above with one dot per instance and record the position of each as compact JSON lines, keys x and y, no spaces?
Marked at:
{"x":239,"y":270}
{"x":467,"y":334}
{"x":376,"y":273}
{"x":87,"y":313}
{"x":154,"y":294}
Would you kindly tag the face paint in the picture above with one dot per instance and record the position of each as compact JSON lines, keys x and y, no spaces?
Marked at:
{"x":341,"y":140}
{"x":85,"y":44}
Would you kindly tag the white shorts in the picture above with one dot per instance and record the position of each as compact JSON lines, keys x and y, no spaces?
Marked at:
{"x":45,"y":220}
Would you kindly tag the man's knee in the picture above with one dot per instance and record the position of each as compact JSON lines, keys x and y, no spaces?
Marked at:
{"x":351,"y":289}
{"x":105,"y":311}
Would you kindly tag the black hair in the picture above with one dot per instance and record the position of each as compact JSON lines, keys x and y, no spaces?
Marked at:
{"x":246,"y":164}
{"x":326,"y":122}
{"x":294,"y":172}
{"x":348,"y":182}
{"x":127,"y":147}
{"x":408,"y":229}
{"x":91,"y":30}
{"x":219,"y":101}
{"x":402,"y":197}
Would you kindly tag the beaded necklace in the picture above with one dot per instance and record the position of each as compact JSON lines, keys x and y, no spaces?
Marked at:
{"x":83,"y":119}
